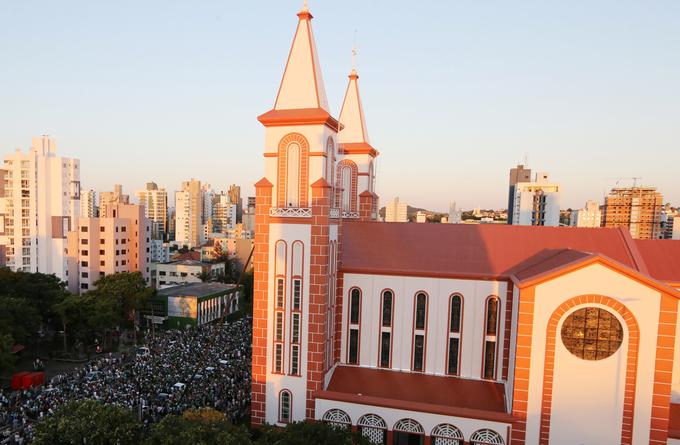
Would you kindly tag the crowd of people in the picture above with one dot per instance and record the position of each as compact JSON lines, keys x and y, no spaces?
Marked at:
{"x":175,"y":371}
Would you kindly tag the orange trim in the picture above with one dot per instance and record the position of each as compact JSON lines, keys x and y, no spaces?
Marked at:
{"x":520,"y":387}
{"x":631,"y":363}
{"x":308,"y":16}
{"x":300,"y":116}
{"x":270,"y":155}
{"x":358,"y":148}
{"x":317,"y":153}
{"x":605,"y":261}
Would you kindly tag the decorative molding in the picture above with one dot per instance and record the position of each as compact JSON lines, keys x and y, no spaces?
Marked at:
{"x":335,"y":213}
{"x":291,"y":212}
{"x":350,"y":215}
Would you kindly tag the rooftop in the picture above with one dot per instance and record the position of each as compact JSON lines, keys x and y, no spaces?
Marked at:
{"x":421,"y":392}
{"x":196,"y":289}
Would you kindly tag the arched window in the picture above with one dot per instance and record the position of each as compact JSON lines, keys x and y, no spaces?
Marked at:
{"x":386,"y":321}
{"x":346,"y":189}
{"x":490,"y":338}
{"x":337,"y":418}
{"x":293,"y":175}
{"x":354,"y":321}
{"x":455,"y":328}
{"x":408,"y":426}
{"x":330,"y":161}
{"x":293,"y":171}
{"x":446,"y":434}
{"x":285,"y":406}
{"x":419,"y":331}
{"x":373,"y":427}
{"x":371,"y":177}
{"x":346,"y":185}
{"x":486,"y":437}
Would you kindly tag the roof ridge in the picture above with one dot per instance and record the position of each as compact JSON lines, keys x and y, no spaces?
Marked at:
{"x":635,"y":253}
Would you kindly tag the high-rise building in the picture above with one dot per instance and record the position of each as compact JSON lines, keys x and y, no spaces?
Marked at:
{"x":224,"y":213}
{"x":107,"y":199}
{"x":396,"y":211}
{"x":248,"y":217}
{"x":517,"y":174}
{"x":189,"y":226}
{"x":455,"y":214}
{"x":589,"y":216}
{"x":103,"y":246}
{"x":638,"y":208}
{"x":88,"y":204}
{"x":155,"y":202}
{"x":41,"y":200}
{"x":172,"y":223}
{"x":536,"y":203}
{"x":235,"y":198}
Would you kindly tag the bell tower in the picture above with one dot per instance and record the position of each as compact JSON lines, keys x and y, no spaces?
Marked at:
{"x":296,"y":242}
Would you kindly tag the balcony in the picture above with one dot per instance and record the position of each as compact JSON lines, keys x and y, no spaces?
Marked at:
{"x":291,"y":212}
{"x":350,"y":215}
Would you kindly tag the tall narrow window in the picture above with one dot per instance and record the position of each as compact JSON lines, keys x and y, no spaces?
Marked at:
{"x":454,"y":334}
{"x":490,"y":339}
{"x":280,"y":292}
{"x":285,"y":404}
{"x":295,"y":360}
{"x":297,"y":293}
{"x":278,"y":358}
{"x":385,"y":345}
{"x":419,"y":331}
{"x":295,"y":334}
{"x":293,"y":175}
{"x":347,"y":189}
{"x":354,"y":326}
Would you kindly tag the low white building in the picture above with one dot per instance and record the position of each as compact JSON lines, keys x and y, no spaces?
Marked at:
{"x":175,"y":273}
{"x":589,"y":216}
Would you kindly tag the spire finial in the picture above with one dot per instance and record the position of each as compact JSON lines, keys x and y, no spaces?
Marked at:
{"x":354,"y":54}
{"x":305,"y":6}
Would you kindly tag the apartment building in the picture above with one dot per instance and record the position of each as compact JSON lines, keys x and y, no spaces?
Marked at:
{"x":536,"y":203}
{"x":88,"y":204}
{"x":155,"y":202}
{"x":103,"y":246}
{"x":189,"y":214}
{"x":396,"y":211}
{"x":589,"y":216}
{"x":108,"y":199}
{"x":637,"y":208}
{"x":40,"y":200}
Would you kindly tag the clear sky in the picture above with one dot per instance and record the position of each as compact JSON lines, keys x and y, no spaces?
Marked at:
{"x":455,"y":93}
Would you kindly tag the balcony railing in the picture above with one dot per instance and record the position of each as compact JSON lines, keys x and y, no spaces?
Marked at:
{"x":291,"y":212}
{"x":350,"y":215}
{"x":335,"y":213}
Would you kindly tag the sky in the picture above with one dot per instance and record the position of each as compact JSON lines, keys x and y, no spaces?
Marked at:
{"x":455,"y":93}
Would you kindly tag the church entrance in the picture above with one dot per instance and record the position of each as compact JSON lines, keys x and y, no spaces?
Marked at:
{"x":408,"y":438}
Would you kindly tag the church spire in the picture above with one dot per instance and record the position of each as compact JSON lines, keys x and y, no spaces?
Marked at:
{"x":302,"y":85}
{"x":352,"y":113}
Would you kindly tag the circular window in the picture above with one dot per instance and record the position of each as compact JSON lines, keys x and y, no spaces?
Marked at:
{"x":592,"y":333}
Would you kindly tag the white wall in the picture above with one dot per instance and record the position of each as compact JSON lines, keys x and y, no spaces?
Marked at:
{"x":474,"y":294}
{"x":588,"y":395}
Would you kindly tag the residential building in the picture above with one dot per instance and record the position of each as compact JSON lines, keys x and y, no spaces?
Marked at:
{"x":536,"y":203}
{"x":421,"y":216}
{"x":224,"y":213}
{"x":189,"y":214}
{"x":668,"y":219}
{"x":171,"y":223}
{"x":455,"y":214}
{"x":103,"y":246}
{"x":108,"y":199}
{"x":159,"y":251}
{"x":637,"y":208}
{"x":448,"y":333}
{"x":155,"y":202}
{"x":40,"y":202}
{"x":88,"y":204}
{"x":517,"y":174}
{"x":396,"y":211}
{"x":235,"y":198}
{"x":589,"y":216}
{"x":675,"y":234}
{"x":182,"y":271}
{"x":195,"y":304}
{"x":248,"y":217}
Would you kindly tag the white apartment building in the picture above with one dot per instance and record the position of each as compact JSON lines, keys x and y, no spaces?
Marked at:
{"x":224,"y":213}
{"x":676,"y":228}
{"x":189,"y":227}
{"x":159,"y":251}
{"x":155,"y":202}
{"x":396,"y":211}
{"x":40,"y":202}
{"x":590,"y":216}
{"x":88,"y":204}
{"x":537,"y":203}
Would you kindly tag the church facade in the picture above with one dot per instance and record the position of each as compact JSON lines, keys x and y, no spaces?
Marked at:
{"x":445,"y":334}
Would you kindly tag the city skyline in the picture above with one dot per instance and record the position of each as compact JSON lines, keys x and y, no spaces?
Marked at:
{"x":584,"y":102}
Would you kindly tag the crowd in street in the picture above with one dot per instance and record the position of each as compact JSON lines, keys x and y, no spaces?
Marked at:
{"x":174,"y":371}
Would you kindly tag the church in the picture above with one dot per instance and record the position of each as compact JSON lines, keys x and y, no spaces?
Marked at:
{"x":446,"y":334}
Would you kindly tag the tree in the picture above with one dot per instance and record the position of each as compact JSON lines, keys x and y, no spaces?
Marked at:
{"x":41,"y":291}
{"x":19,"y":317}
{"x":89,"y":422}
{"x":6,"y":356}
{"x":128,"y":289}
{"x":302,"y":433}
{"x":204,"y":426}
{"x":82,"y":315}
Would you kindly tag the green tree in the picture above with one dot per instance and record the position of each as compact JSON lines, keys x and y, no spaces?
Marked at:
{"x":197,"y":427}
{"x":128,"y":290}
{"x":89,"y":422}
{"x":41,"y":291}
{"x":303,"y":433}
{"x":6,"y":356}
{"x":19,"y":317}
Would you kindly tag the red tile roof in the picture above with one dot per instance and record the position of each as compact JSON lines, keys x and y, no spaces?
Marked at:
{"x":472,"y":251}
{"x":424,"y":392}
{"x":662,"y":258}
{"x":191,"y":255}
{"x":674,"y":421}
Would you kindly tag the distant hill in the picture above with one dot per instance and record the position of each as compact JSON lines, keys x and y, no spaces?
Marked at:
{"x":411,"y":213}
